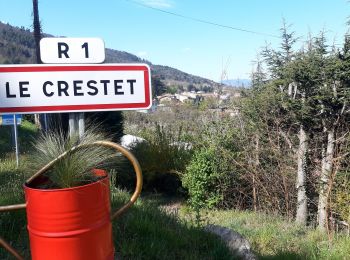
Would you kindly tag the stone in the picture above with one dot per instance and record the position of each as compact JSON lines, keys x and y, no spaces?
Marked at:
{"x":237,"y":244}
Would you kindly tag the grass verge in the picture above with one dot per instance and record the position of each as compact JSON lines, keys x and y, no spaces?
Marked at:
{"x":144,"y":232}
{"x":26,"y":134}
{"x":272,"y":237}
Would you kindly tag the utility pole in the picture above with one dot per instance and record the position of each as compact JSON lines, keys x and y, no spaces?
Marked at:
{"x":40,"y":120}
{"x":37,"y":30}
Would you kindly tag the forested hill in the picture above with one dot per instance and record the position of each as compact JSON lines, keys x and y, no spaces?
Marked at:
{"x":17,"y":47}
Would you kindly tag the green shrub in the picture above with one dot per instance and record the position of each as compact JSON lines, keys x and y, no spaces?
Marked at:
{"x":162,"y":159}
{"x":26,"y":134}
{"x":341,"y":196}
{"x":201,"y":179}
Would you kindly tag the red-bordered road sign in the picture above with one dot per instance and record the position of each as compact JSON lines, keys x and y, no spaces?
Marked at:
{"x":74,"y":88}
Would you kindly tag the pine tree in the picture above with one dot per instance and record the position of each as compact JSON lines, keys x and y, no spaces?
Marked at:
{"x":283,"y":64}
{"x":334,"y":99}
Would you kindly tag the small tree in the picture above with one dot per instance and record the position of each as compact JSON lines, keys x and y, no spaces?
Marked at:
{"x":158,"y":87}
{"x":201,"y":180}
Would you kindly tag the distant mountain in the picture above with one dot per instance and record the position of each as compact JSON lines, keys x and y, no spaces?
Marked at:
{"x":168,"y":74}
{"x":17,"y":47}
{"x":238,"y":83}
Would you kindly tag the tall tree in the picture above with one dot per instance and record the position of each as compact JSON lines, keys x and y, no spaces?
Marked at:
{"x":281,"y":69}
{"x":258,"y":76}
{"x":305,"y":81}
{"x":334,"y":99}
{"x":158,"y":86}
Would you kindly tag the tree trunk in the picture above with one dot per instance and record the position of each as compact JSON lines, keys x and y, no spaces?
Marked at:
{"x":256,"y":164}
{"x":326,"y":170}
{"x":301,"y":215}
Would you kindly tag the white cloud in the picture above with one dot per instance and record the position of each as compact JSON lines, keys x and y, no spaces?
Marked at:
{"x":186,"y":49}
{"x":158,"y":3}
{"x":142,"y":54}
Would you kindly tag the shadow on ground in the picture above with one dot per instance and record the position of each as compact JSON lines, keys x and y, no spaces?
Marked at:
{"x":144,"y":232}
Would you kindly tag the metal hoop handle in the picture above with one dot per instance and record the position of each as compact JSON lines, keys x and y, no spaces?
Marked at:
{"x":119,"y":148}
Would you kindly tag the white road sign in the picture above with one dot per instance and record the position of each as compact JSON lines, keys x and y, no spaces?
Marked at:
{"x":74,"y":88}
{"x":72,"y":50}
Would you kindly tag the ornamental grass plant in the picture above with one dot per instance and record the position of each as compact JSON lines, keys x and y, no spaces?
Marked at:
{"x":76,"y":167}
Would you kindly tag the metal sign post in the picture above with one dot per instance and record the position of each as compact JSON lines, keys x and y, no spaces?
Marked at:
{"x":12,"y":120}
{"x":72,"y":124}
{"x":76,"y":124}
{"x":81,"y":124}
{"x":15,"y":132}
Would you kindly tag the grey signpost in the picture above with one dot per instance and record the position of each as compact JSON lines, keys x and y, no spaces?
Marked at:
{"x":76,"y":124}
{"x":15,"y":132}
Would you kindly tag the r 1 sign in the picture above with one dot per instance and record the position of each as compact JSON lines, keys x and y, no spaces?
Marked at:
{"x":72,"y":50}
{"x":74,"y":88}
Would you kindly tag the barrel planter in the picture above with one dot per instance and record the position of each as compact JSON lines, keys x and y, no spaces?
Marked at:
{"x":71,"y":223}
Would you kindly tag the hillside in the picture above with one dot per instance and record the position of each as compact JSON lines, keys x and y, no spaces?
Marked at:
{"x":237,"y":83}
{"x":17,"y":47}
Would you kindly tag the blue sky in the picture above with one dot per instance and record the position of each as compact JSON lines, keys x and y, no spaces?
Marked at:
{"x":194,"y":47}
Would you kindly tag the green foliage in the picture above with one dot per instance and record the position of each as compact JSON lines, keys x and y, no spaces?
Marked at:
{"x":162,"y":158}
{"x":158,"y":86}
{"x":26,"y":134}
{"x":209,"y":103}
{"x":171,"y":89}
{"x":265,"y":145}
{"x":341,"y":196}
{"x":314,"y":94}
{"x":188,"y":127}
{"x":11,"y":180}
{"x":19,"y":45}
{"x":201,"y":180}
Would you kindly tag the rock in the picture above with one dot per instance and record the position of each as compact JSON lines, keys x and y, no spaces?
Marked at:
{"x":235,"y":241}
{"x":130,"y":140}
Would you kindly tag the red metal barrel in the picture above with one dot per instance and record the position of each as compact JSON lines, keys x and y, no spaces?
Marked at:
{"x":70,"y":224}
